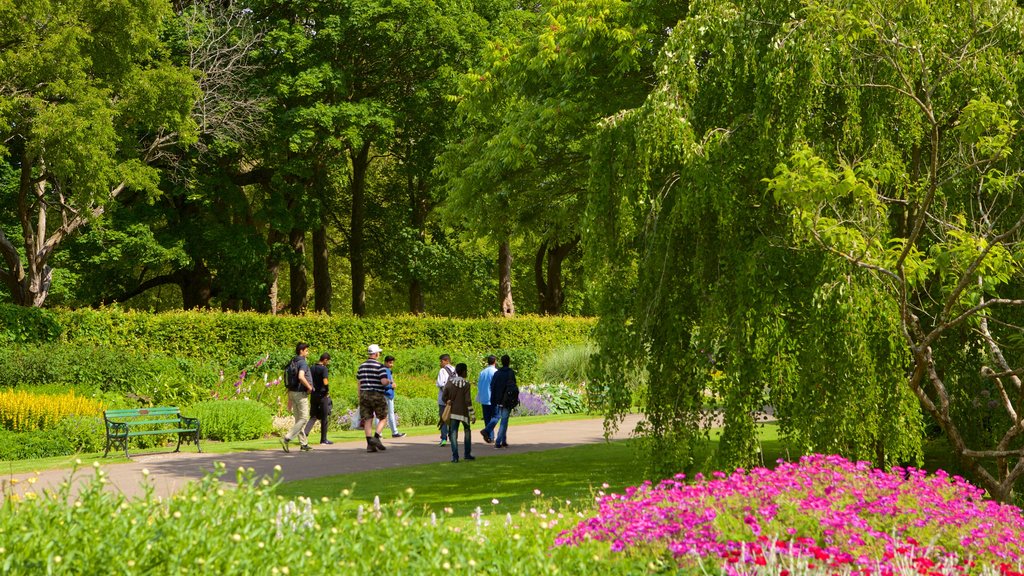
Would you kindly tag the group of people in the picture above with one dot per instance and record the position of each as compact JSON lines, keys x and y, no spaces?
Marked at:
{"x":310,"y":402}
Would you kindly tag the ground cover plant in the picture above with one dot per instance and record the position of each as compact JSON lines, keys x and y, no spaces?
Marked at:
{"x":209,"y":529}
{"x":822,"y":513}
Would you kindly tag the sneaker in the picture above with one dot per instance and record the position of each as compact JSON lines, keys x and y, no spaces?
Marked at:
{"x":306,"y":448}
{"x":327,"y":442}
{"x":487,"y":437}
{"x":284,"y":444}
{"x":399,"y":435}
{"x":470,"y":458}
{"x":371,"y":448}
{"x":378,"y":444}
{"x":455,"y":460}
{"x":443,"y":443}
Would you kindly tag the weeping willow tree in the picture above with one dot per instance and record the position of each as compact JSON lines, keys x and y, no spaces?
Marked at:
{"x":819,"y":208}
{"x":706,"y":292}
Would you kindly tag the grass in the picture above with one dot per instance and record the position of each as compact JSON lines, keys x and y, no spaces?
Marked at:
{"x":573,"y":474}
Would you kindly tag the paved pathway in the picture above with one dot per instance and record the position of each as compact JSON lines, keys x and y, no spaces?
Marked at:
{"x":171,"y":471}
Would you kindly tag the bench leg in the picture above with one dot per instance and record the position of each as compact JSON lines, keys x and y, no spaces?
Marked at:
{"x":178,"y":447}
{"x":106,"y":450}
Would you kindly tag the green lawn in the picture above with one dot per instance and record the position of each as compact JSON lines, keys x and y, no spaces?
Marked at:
{"x":573,"y":474}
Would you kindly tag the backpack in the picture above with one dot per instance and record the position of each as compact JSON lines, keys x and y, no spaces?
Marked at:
{"x":291,"y":375}
{"x":511,"y":398}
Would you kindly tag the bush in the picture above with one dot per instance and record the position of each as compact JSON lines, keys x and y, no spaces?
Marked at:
{"x":567,"y":364}
{"x":22,"y":411}
{"x":232,"y":420}
{"x":21,"y":324}
{"x":83,"y":433}
{"x":531,"y":405}
{"x":34,"y":444}
{"x":560,"y":398}
{"x":148,"y":378}
{"x":408,"y":412}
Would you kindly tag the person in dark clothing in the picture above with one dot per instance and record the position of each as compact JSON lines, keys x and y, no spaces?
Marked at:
{"x":456,"y":392}
{"x":320,"y":403}
{"x":501,"y":379}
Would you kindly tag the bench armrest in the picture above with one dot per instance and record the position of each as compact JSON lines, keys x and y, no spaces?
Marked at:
{"x":117,"y":428}
{"x":190,"y":422}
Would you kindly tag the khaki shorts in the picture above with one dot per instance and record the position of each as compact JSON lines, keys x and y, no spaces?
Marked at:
{"x":372,"y":404}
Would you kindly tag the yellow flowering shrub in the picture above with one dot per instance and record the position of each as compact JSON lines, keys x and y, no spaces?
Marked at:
{"x":23,"y":411}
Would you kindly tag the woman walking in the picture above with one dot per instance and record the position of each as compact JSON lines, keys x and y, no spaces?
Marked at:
{"x":456,"y":392}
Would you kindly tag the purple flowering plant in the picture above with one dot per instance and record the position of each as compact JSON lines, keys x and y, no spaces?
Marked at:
{"x":823,"y":513}
{"x":249,"y":384}
{"x":531,"y":404}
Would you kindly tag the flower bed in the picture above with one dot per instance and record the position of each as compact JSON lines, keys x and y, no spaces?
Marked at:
{"x":823,"y":513}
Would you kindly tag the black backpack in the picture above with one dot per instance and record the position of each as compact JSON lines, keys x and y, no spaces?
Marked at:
{"x":511,"y":398}
{"x":291,"y":375}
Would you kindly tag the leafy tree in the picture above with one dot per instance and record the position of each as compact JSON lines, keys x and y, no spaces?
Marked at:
{"x":532,"y":109}
{"x":87,"y":103}
{"x":351,"y":79}
{"x":921,"y":193}
{"x":707,"y":309}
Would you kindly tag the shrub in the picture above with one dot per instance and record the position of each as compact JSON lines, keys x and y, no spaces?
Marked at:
{"x":567,"y":364}
{"x":250,"y":530}
{"x":408,"y":412}
{"x":34,"y":444}
{"x":22,"y":411}
{"x":232,"y":420}
{"x":21,"y":324}
{"x":531,"y":405}
{"x":560,"y":398}
{"x":83,"y":433}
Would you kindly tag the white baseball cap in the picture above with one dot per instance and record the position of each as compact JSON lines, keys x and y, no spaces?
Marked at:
{"x":374,"y":349}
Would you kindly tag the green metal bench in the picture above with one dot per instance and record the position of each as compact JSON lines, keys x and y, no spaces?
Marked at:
{"x":128,"y":423}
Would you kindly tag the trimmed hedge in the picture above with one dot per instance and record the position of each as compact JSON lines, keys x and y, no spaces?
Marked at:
{"x":224,"y":336}
{"x":19,"y":325}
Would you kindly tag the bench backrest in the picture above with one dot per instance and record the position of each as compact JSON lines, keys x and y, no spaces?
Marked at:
{"x":159,"y":411}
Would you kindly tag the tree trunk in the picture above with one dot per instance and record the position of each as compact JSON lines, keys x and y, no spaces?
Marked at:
{"x":273,"y":268}
{"x":508,"y":309}
{"x":196,"y":286}
{"x":360,"y":164}
{"x":297,"y":272}
{"x":549,"y":282}
{"x":322,"y":291}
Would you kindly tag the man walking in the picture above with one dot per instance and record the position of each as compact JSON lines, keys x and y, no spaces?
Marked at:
{"x":502,"y":380}
{"x":320,"y":401}
{"x":389,"y":396}
{"x":446,"y":372}
{"x":373,"y":383}
{"x":483,"y":391}
{"x":299,"y":384}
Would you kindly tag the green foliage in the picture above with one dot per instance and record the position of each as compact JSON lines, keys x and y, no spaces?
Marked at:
{"x":232,"y":420}
{"x":140,"y":376}
{"x":567,"y":364}
{"x":560,"y":398}
{"x":416,"y":411}
{"x":22,"y":325}
{"x":35,"y":444}
{"x":248,"y":335}
{"x":249,"y":529}
{"x":82,"y":433}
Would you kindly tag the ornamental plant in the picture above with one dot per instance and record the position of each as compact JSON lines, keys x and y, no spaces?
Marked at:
{"x":823,"y":512}
{"x":23,"y":411}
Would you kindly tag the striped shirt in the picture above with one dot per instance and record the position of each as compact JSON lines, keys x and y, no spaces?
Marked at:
{"x":370,"y":374}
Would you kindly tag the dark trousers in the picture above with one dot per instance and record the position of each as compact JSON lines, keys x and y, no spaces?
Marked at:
{"x":488,"y":412}
{"x":453,"y":435}
{"x":320,"y":409}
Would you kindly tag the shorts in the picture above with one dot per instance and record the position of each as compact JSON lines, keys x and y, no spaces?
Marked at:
{"x":372,"y":404}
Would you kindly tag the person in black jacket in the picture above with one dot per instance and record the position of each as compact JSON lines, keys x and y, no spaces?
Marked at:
{"x":320,"y":403}
{"x":499,"y":382}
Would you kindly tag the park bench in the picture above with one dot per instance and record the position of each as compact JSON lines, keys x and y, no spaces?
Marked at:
{"x":131,"y":422}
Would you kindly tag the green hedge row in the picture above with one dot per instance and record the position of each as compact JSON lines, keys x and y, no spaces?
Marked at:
{"x":222,"y":337}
